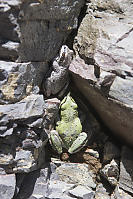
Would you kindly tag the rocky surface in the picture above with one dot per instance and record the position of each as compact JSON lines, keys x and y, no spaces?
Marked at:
{"x":22,"y":135}
{"x":32,"y":35}
{"x":103,"y":63}
{"x":7,"y":186}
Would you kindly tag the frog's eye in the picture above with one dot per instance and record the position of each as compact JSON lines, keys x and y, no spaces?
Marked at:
{"x":74,"y":106}
{"x":63,"y":107}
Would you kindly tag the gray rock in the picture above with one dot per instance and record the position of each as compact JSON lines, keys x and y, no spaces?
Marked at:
{"x":32,"y":185}
{"x":22,"y":143}
{"x":40,"y":185}
{"x":81,"y":191}
{"x":121,"y":90}
{"x":104,"y":69}
{"x":8,"y":50}
{"x":17,"y":80}
{"x":49,"y":24}
{"x":8,"y":20}
{"x":102,"y":192}
{"x":111,"y":172}
{"x":120,"y":194}
{"x":76,"y":174}
{"x":51,"y":114}
{"x":126,"y":171}
{"x":58,"y":189}
{"x":7,"y":186}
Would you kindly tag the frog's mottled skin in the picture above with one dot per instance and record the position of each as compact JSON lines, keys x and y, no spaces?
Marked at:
{"x":68,"y":132}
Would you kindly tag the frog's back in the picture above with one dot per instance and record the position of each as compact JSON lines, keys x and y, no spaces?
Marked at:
{"x":69,"y":131}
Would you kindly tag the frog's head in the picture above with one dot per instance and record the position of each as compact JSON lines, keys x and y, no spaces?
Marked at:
{"x":68,"y":102}
{"x":69,"y":108}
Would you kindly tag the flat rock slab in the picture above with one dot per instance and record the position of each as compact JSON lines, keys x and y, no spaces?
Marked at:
{"x":81,"y":191}
{"x":76,"y":174}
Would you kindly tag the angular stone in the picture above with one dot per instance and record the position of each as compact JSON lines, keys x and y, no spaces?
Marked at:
{"x":80,"y":191}
{"x":101,"y":192}
{"x":121,"y":90}
{"x":120,"y":194}
{"x":30,"y":107}
{"x":7,"y":186}
{"x":57,"y":189}
{"x":32,"y":185}
{"x":76,"y":174}
{"x":17,"y":80}
{"x":8,"y":20}
{"x":126,"y":170}
{"x":51,"y":113}
{"x":111,"y":172}
{"x":8,"y":50}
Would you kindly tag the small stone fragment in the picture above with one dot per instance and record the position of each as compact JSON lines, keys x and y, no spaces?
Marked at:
{"x":80,"y":191}
{"x":93,"y":153}
{"x":111,"y":172}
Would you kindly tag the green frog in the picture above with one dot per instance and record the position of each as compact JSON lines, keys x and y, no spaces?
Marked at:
{"x":68,"y":133}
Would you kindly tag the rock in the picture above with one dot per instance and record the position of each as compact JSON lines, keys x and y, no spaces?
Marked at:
{"x":120,"y":194}
{"x":42,"y":183}
{"x":7,"y":186}
{"x":8,"y":20}
{"x":75,"y":173}
{"x":9,"y":50}
{"x":49,"y":24}
{"x":111,"y":151}
{"x":101,"y":192}
{"x":93,"y":163}
{"x":17,"y":80}
{"x":51,"y":114}
{"x":111,"y":172}
{"x":126,"y":171}
{"x":103,"y":63}
{"x":92,"y":153}
{"x":23,"y":138}
{"x":35,"y":181}
{"x":58,"y":189}
{"x":81,"y":192}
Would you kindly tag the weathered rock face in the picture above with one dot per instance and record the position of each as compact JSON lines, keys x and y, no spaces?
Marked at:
{"x":103,"y":63}
{"x":18,"y":80}
{"x":44,"y":27}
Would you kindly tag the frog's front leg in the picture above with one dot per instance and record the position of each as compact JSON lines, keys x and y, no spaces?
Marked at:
{"x":79,"y":143}
{"x":55,"y":141}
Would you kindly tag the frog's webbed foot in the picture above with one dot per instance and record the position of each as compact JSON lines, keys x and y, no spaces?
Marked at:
{"x":55,"y":141}
{"x":79,"y":143}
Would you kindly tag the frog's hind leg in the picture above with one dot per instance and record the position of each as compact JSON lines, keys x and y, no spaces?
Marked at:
{"x":55,"y":141}
{"x":79,"y":143}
